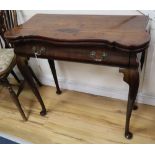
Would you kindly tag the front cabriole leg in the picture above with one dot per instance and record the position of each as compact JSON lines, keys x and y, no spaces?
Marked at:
{"x":131,"y":77}
{"x":24,"y":69}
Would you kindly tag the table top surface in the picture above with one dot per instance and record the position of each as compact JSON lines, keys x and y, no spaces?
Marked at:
{"x":123,"y":31}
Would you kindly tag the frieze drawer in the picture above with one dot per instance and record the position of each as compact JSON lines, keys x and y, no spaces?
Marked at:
{"x":96,"y":55}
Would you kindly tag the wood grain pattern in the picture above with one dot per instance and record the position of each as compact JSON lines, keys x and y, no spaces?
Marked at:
{"x":121,"y":31}
{"x":76,"y":54}
{"x":102,"y":40}
{"x":75,"y":117}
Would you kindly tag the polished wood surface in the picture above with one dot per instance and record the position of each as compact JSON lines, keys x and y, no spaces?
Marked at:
{"x":121,"y":31}
{"x":94,"y":55}
{"x":102,"y":40}
{"x":74,"y":117}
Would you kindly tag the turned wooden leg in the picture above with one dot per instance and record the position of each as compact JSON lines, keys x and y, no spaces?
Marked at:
{"x":52,"y":66}
{"x":131,"y":76}
{"x":15,"y":99}
{"x":22,"y":65}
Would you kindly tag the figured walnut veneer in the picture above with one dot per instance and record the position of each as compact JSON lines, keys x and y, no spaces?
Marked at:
{"x":96,"y":39}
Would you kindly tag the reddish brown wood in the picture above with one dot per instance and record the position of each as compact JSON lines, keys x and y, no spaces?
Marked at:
{"x":128,"y":32}
{"x":102,"y":40}
{"x":131,"y":77}
{"x":113,"y":57}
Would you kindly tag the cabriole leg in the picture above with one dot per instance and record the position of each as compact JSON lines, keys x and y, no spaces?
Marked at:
{"x":131,"y":76}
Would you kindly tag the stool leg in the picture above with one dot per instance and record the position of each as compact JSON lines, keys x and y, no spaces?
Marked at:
{"x":15,"y":76}
{"x":16,"y":100}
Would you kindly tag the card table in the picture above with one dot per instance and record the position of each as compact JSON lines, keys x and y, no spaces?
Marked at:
{"x":94,"y":39}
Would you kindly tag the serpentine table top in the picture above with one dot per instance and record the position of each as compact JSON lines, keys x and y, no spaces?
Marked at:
{"x":97,"y":39}
{"x":125,"y":32}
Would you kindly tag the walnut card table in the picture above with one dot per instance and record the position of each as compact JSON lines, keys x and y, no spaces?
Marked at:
{"x":95,"y":39}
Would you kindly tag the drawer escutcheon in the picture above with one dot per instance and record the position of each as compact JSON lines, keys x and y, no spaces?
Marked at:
{"x":92,"y":54}
{"x":42,"y":50}
{"x":38,"y":51}
{"x":34,"y":49}
{"x":104,"y":55}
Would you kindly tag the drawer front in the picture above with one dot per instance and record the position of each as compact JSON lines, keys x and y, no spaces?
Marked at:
{"x":96,"y":55}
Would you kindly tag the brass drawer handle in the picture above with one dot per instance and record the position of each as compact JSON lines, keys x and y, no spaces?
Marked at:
{"x":42,"y":50}
{"x":104,"y":55}
{"x":38,"y":51}
{"x":92,"y":54}
{"x":34,"y":49}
